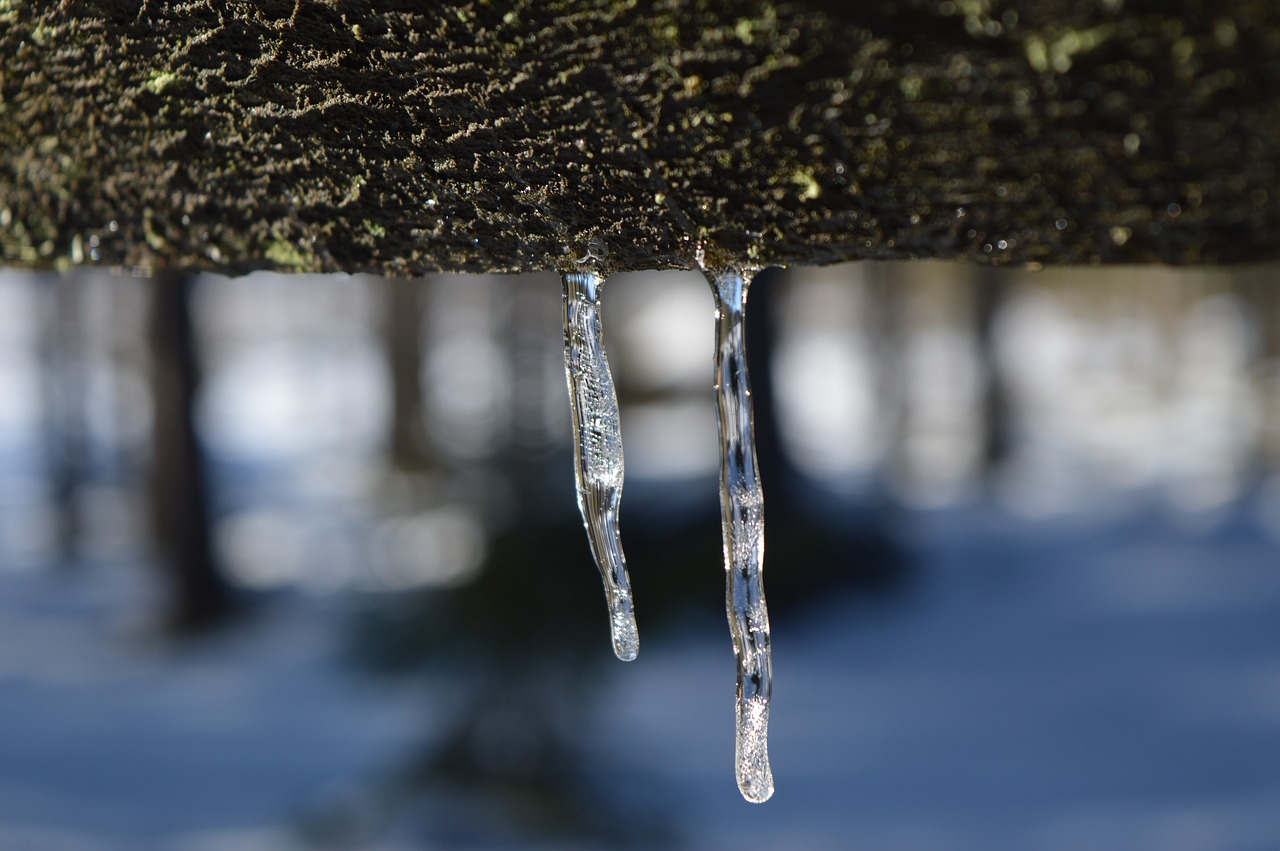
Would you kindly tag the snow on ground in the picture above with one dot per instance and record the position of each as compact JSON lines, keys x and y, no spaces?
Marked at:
{"x":1046,"y":685}
{"x":109,"y":740}
{"x":1049,"y":686}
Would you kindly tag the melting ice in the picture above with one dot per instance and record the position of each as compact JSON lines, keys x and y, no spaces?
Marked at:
{"x":597,"y":438}
{"x":742,"y":522}
{"x":598,"y":465}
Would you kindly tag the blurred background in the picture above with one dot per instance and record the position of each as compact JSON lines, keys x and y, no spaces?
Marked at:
{"x":294,"y":562}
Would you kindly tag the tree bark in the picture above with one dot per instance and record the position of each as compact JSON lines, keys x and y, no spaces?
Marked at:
{"x":402,"y":138}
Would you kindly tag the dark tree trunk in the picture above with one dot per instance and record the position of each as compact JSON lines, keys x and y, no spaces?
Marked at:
{"x":200,"y":597}
{"x":990,"y":289}
{"x":887,"y":321}
{"x":64,"y":385}
{"x":403,"y":300}
{"x":777,"y":472}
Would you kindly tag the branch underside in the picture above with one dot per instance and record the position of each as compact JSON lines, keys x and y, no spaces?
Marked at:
{"x":402,"y":138}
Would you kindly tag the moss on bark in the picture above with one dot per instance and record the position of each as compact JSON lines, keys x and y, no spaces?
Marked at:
{"x":401,"y":138}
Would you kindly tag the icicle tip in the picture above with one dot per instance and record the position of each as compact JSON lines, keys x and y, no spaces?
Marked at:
{"x":755,"y":776}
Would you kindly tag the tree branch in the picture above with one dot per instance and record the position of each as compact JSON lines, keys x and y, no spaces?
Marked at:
{"x":401,"y":137}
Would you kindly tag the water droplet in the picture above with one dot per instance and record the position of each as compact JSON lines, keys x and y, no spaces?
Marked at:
{"x":597,"y":250}
{"x":1060,"y":224}
{"x":597,"y":438}
{"x":742,"y":523}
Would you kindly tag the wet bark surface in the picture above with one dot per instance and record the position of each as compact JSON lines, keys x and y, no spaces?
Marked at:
{"x":401,"y":138}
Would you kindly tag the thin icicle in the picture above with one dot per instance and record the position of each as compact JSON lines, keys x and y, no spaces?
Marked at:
{"x":597,"y":439}
{"x":742,"y":518}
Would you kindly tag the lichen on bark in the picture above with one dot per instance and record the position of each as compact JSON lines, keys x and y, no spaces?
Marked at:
{"x":400,"y":138}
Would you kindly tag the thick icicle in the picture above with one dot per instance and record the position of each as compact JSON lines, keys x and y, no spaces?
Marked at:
{"x":742,"y":518}
{"x":597,"y":438}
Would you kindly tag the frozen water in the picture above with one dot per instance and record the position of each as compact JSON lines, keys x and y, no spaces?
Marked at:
{"x":597,"y":438}
{"x":742,"y":518}
{"x":751,"y":748}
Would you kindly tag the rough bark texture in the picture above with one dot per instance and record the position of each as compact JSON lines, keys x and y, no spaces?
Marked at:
{"x":403,"y":137}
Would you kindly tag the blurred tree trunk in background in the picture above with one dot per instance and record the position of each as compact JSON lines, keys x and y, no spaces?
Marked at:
{"x":200,"y":596}
{"x":1260,"y":290}
{"x":990,"y":292}
{"x":63,"y":386}
{"x":534,"y":453}
{"x":886,"y":310}
{"x":778,"y":473}
{"x":403,"y":301}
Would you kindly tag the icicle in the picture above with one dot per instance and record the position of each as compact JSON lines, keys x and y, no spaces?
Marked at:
{"x":742,"y":518}
{"x":597,"y":441}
